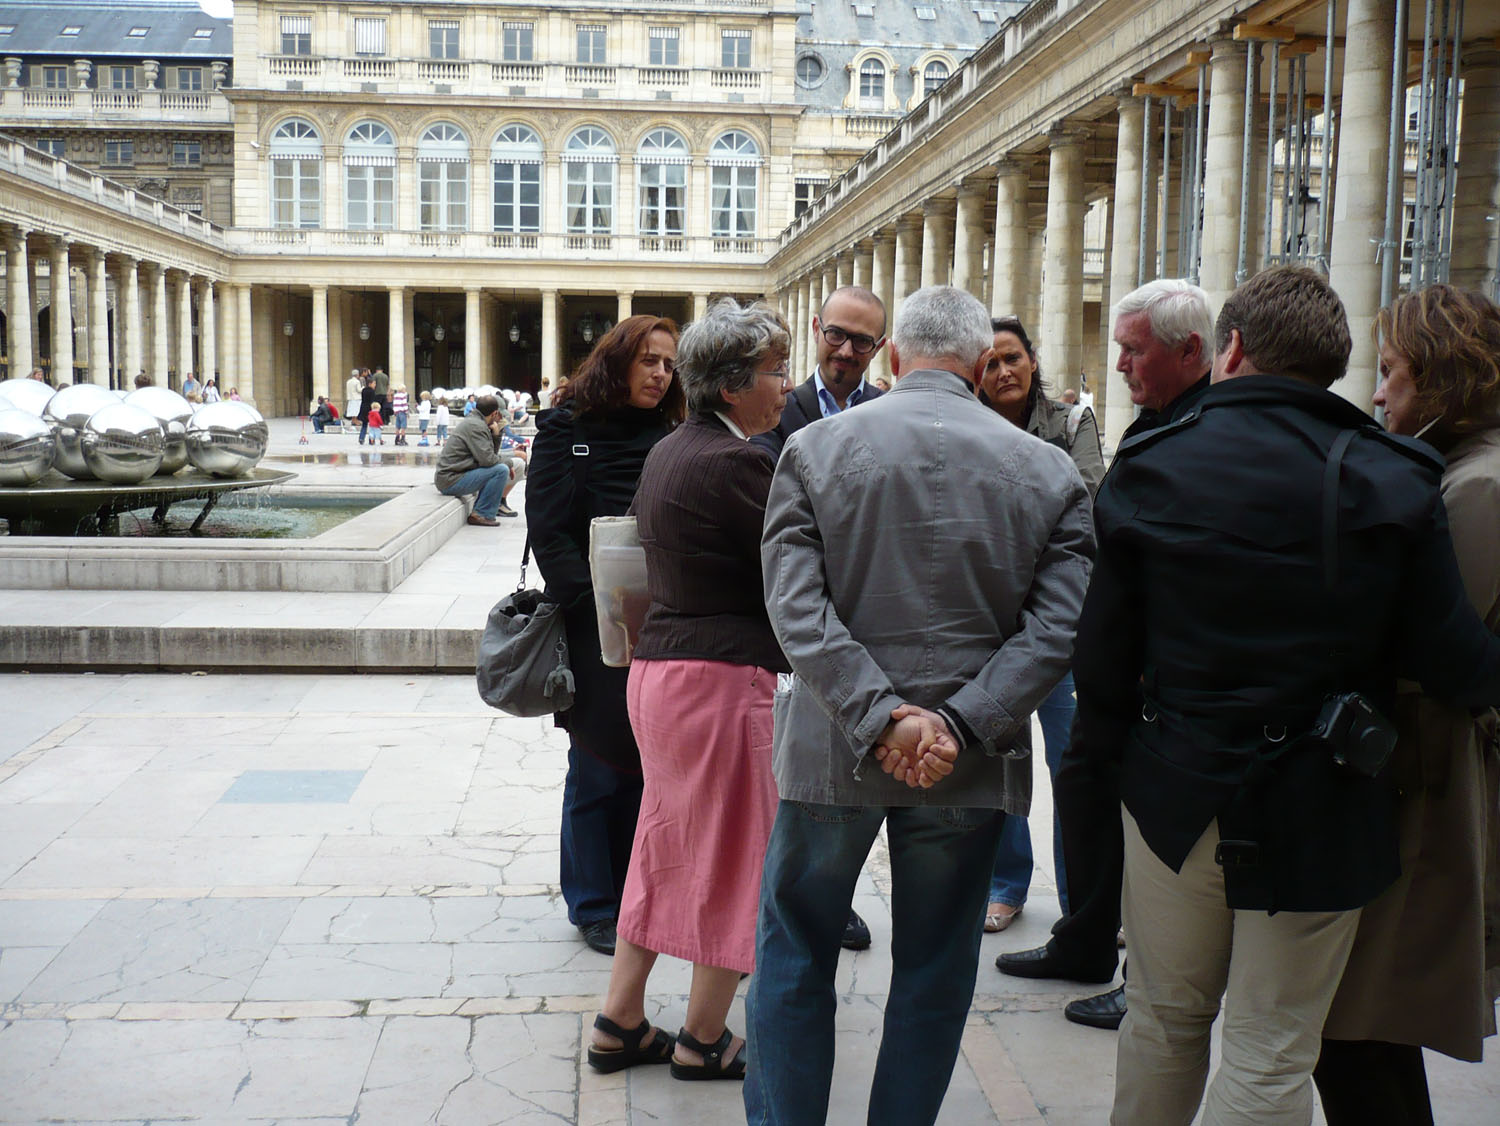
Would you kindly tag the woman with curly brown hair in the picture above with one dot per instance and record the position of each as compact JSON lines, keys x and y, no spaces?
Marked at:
{"x":1425,"y":967}
{"x":586,"y":460}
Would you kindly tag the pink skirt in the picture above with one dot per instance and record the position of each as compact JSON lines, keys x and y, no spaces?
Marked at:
{"x":704,"y":729}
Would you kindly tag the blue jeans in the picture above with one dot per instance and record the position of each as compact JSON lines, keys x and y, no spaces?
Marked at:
{"x":940,"y":859}
{"x":600,"y":807}
{"x":1011,"y":879}
{"x":488,"y":482}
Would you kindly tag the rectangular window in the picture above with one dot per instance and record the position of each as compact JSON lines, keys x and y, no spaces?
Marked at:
{"x":369,"y":37}
{"x":54,"y":78}
{"x":296,"y":35}
{"x":590,"y":206}
{"x":52,"y":146}
{"x":137,"y":32}
{"x":296,"y":193}
{"x":517,"y":42}
{"x":119,"y":152}
{"x":986,"y":15}
{"x":187,"y":154}
{"x":866,"y":11}
{"x":807,"y":190}
{"x":734,"y":49}
{"x":926,"y":13}
{"x":518,"y":197}
{"x":72,"y":29}
{"x":122,"y":78}
{"x":662,"y":46}
{"x":190,"y":78}
{"x":442,"y":38}
{"x":591,"y":43}
{"x":7,"y":29}
{"x":203,"y":33}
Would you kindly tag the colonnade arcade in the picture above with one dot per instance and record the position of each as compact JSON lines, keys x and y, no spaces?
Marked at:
{"x":1208,"y":150}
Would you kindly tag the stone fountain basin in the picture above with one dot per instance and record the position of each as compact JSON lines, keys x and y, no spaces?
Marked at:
{"x":371,"y":553}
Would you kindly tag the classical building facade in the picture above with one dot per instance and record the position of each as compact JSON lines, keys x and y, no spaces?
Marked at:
{"x":470,"y":193}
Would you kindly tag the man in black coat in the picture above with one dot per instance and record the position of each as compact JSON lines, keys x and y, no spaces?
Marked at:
{"x":1165,"y":333}
{"x":850,"y":331}
{"x":1269,"y":563}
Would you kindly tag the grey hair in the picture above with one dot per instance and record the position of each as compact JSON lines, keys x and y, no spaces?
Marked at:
{"x":943,"y":322}
{"x":723,"y":350}
{"x":1175,"y":309}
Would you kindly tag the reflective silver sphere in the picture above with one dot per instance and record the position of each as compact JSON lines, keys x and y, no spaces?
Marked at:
{"x":226,"y":438}
{"x":122,"y":444}
{"x":25,"y":395}
{"x":174,"y":413}
{"x":27,"y":446}
{"x":69,"y":411}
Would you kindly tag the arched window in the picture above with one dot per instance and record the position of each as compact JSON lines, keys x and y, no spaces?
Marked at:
{"x":370,"y":178}
{"x":661,"y":168}
{"x":933,"y":76}
{"x":443,"y":178}
{"x":872,"y":84}
{"x":296,"y":175}
{"x":516,"y":165}
{"x":734,"y":163}
{"x":590,"y":160}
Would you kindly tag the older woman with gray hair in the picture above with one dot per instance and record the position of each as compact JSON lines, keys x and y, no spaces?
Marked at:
{"x":701,"y":683}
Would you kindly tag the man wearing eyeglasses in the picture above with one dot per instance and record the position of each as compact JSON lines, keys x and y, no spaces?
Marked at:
{"x":850,"y":330}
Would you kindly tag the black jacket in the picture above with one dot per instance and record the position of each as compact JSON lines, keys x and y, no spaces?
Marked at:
{"x":802,"y":408}
{"x":561,"y":499}
{"x":1210,"y":639}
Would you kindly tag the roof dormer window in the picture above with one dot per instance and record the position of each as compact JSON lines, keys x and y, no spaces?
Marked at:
{"x":203,"y":33}
{"x":137,"y":32}
{"x":72,"y":29}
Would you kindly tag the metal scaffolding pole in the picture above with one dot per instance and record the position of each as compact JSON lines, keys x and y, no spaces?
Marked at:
{"x":1450,"y":187}
{"x":1325,"y":172}
{"x":1195,"y":251}
{"x":1273,"y":72}
{"x":1424,"y":154}
{"x":1141,"y":259}
{"x":1164,"y":199}
{"x":1390,"y":245}
{"x":1252,"y":89}
{"x":1185,"y":200}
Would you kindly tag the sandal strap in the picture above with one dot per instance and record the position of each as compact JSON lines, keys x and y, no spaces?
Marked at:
{"x":610,"y":1028}
{"x":710,"y":1052}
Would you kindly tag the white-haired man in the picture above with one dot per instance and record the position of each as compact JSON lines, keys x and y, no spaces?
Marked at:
{"x":1165,"y":331}
{"x":984,"y":538}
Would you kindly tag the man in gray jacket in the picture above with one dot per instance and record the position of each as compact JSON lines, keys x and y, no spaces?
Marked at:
{"x":925,"y":563}
{"x":471,"y":463}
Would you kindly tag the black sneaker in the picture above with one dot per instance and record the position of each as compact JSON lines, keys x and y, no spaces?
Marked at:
{"x":856,"y":933}
{"x":600,"y":936}
{"x":506,"y":510}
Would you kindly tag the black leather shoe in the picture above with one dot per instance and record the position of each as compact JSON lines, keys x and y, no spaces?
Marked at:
{"x":1106,"y":1010}
{"x":856,"y":933}
{"x":1041,"y":962}
{"x":600,"y":936}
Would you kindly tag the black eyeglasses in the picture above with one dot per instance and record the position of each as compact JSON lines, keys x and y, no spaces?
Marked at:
{"x":863,"y":345}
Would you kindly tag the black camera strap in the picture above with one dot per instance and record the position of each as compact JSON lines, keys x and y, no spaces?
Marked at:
{"x":1331,"y":471}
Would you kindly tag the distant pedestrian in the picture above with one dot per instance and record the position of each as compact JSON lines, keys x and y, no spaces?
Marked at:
{"x":424,"y":413}
{"x":210,"y":391}
{"x":366,"y":401}
{"x":442,"y":421}
{"x":375,"y":423}
{"x":351,"y":393}
{"x":234,"y":394}
{"x":398,"y":414}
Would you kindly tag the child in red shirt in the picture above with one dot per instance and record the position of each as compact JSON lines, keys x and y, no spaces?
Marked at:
{"x":375,"y":424}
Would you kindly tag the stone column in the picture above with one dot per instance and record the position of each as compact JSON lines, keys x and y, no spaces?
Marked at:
{"x":156,"y":274}
{"x":968,"y":236}
{"x":396,"y":335}
{"x":864,"y":265}
{"x":908,"y":259}
{"x":801,"y":328}
{"x":1359,"y":206}
{"x":98,"y":318}
{"x":244,"y":377}
{"x":1010,"y":256}
{"x":1125,"y":246}
{"x":1061,"y":345}
{"x":700,"y":305}
{"x":184,"y":327}
{"x":474,"y":367}
{"x":60,"y":299}
{"x":883,"y":283}
{"x":229,"y":333}
{"x":18,"y":293}
{"x":320,"y":356}
{"x":623,"y":301}
{"x":1476,"y":215}
{"x":830,"y":283}
{"x":551,"y":314}
{"x":843,"y":270}
{"x":208,"y":332}
{"x":128,"y":311}
{"x":937,"y":241}
{"x":1223,"y":178}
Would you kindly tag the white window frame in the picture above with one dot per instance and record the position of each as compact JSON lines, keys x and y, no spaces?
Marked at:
{"x":661,"y":163}
{"x":518,"y":42}
{"x":121,"y":78}
{"x":443,"y":178}
{"x":119,"y":152}
{"x":929,"y":86}
{"x":370,"y":178}
{"x":51,"y":72}
{"x":734,"y":48}
{"x":296,"y":34}
{"x":591,"y":44}
{"x":516,"y":164}
{"x":369,"y":37}
{"x":734,"y":185}
{"x":590,"y":161}
{"x":442,"y":39}
{"x":296,"y":156}
{"x":192,"y":154}
{"x":189,"y":79}
{"x":871,"y":93}
{"x":663,"y":46}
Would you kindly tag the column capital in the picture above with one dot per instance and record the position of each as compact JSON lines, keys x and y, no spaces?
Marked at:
{"x":318,"y":290}
{"x":911,"y":222}
{"x":1067,"y":136}
{"x":938,"y":206}
{"x":882,"y":236}
{"x":127,"y":261}
{"x":972,"y":187}
{"x":15,"y":233}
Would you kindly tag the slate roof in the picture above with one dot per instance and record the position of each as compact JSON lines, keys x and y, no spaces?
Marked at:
{"x":104,"y":30}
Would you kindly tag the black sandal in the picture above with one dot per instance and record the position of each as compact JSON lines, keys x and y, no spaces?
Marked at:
{"x":631,"y":1051}
{"x":713,"y":1065}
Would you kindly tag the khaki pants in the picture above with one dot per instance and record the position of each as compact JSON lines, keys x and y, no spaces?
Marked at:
{"x":1276,"y":973}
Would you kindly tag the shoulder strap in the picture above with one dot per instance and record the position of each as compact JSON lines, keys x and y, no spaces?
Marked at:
{"x":1331,"y":507}
{"x":1075,"y":416}
{"x":1150,"y":437}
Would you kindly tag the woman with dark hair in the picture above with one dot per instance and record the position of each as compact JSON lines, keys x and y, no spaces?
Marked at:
{"x":1425,"y":968}
{"x":1012,"y":386}
{"x":701,"y":682}
{"x":586,"y":459}
{"x":367,"y":399}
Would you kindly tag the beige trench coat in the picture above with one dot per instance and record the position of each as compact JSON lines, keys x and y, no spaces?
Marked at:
{"x":1425,"y":968}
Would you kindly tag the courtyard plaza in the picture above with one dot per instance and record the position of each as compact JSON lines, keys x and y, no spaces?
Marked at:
{"x":261,"y":897}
